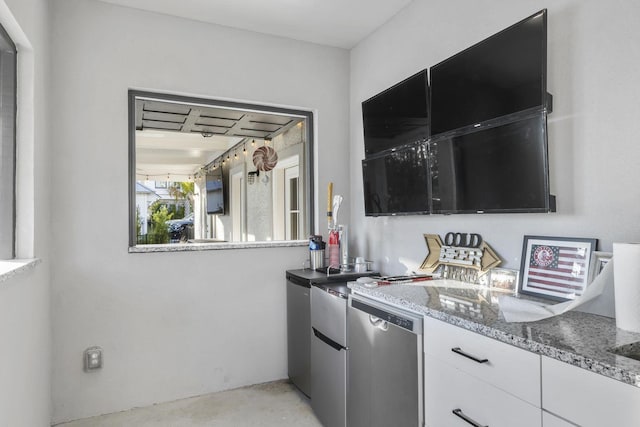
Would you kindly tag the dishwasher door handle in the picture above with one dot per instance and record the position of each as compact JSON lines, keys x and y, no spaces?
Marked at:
{"x":325,"y":339}
{"x":379,"y":323}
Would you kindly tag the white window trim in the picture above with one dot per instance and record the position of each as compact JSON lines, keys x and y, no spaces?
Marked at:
{"x":11,"y":268}
{"x":25,"y":149}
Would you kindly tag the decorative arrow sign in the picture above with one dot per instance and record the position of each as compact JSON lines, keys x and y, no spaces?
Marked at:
{"x":460,"y":250}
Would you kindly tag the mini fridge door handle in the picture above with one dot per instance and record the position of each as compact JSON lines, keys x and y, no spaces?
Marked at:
{"x":325,"y":339}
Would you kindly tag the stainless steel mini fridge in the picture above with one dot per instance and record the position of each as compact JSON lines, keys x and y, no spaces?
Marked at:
{"x":329,"y":354}
{"x":299,"y":332}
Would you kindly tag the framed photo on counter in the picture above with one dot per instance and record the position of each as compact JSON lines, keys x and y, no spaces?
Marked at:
{"x":598,"y":261}
{"x":503,"y":279}
{"x":555,"y":267}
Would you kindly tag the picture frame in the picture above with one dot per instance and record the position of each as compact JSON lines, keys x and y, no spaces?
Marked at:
{"x":555,"y":268}
{"x":503,"y":279}
{"x":598,"y":261}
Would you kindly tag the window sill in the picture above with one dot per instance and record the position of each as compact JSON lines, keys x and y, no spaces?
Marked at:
{"x":13,"y":267}
{"x":209,"y":246}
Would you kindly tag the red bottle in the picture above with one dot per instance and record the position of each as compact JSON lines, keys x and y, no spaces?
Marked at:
{"x":334,"y":249}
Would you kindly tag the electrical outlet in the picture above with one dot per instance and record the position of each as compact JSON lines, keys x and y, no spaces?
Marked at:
{"x":92,"y":359}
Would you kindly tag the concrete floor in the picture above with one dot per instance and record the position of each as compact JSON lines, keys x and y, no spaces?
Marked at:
{"x":263,"y":405}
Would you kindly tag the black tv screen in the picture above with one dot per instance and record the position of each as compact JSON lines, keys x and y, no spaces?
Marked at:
{"x":215,"y":195}
{"x":397,"y":116}
{"x":504,"y":74}
{"x":496,"y":169}
{"x":397,"y":182}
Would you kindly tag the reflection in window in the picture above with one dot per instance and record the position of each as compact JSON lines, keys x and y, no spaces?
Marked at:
{"x":292,"y":210}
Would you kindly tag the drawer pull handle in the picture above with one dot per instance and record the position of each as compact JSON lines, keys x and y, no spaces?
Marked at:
{"x":458,"y":413}
{"x":459,"y":351}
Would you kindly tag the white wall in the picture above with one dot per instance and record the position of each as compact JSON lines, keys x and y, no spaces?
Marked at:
{"x":171,"y":324}
{"x":25,"y":331}
{"x":25,"y":368}
{"x":593,"y":131}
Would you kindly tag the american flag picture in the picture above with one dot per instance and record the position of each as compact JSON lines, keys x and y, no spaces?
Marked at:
{"x":556,"y":268}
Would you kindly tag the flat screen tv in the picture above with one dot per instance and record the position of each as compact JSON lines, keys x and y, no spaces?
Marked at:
{"x":503,"y":74}
{"x":397,"y":116}
{"x":215,"y":194}
{"x":397,"y":182}
{"x":501,"y":168}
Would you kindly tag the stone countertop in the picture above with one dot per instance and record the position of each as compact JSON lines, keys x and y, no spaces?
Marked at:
{"x":577,"y":338}
{"x":214,"y":245}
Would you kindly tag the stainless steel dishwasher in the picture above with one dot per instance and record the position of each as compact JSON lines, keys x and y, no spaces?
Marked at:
{"x":385,"y":376}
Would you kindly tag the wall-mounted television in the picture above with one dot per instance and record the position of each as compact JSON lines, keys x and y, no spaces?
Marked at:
{"x":487,"y":132}
{"x":396,"y":182}
{"x":397,"y":116}
{"x":501,"y":167}
{"x":503,"y":74}
{"x":215,"y":195}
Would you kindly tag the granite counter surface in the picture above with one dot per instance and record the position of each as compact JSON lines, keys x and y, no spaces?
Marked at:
{"x":577,"y":338}
{"x":214,"y":245}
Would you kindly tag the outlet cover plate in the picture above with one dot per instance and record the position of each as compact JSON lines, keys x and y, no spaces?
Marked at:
{"x":92,"y":359}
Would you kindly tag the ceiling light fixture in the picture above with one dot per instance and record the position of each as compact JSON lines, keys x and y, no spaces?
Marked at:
{"x":207,"y":134}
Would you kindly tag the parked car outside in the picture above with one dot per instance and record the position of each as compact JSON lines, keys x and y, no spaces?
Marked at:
{"x":179,"y":228}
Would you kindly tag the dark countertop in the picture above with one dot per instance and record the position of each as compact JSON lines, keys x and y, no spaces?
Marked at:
{"x":334,"y":283}
{"x":577,"y":338}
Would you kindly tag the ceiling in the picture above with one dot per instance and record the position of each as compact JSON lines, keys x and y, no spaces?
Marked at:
{"x":339,"y":23}
{"x":173,"y":156}
{"x":152,"y":114}
{"x":174,"y":140}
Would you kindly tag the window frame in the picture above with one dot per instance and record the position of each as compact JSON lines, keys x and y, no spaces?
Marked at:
{"x":309,"y":151}
{"x":8,"y":248}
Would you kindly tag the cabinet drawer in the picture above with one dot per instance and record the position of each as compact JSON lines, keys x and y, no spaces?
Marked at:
{"x":509,"y":368}
{"x":448,"y":389}
{"x":586,"y":398}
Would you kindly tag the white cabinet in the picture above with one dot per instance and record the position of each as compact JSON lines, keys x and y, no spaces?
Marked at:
{"x":586,"y":398}
{"x":474,"y":380}
{"x":508,"y":368}
{"x":457,"y":399}
{"x":471,"y":379}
